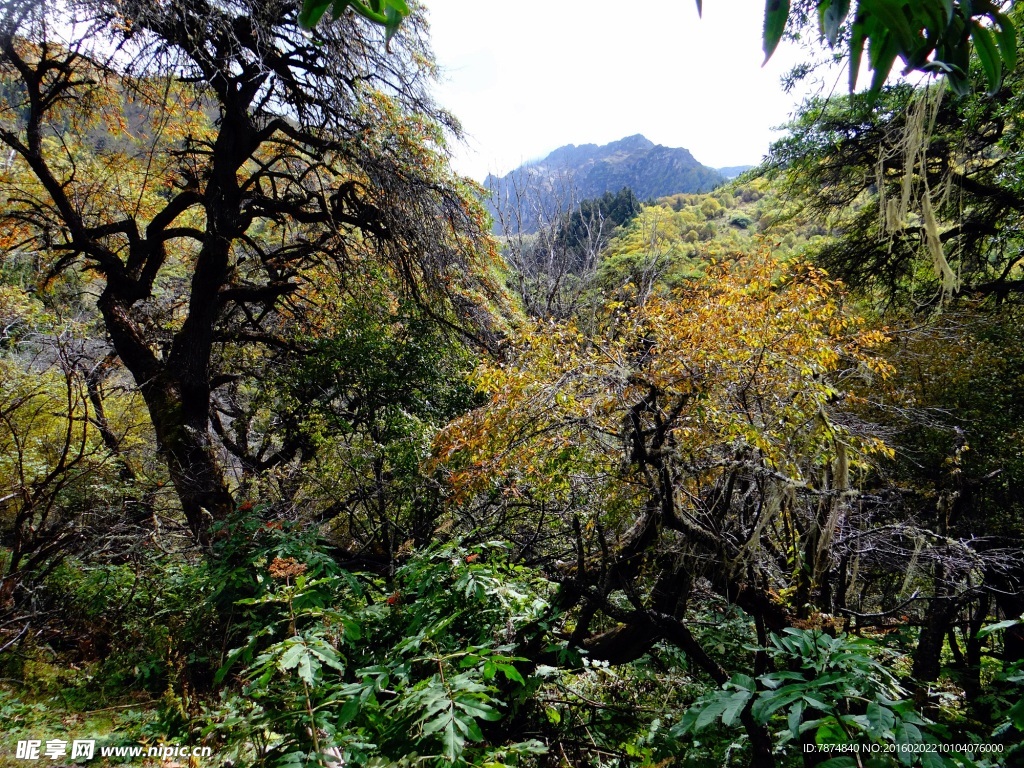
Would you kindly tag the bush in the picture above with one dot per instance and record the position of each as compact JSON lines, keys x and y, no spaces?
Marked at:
{"x":354,"y":667}
{"x":830,"y":691}
{"x":740,"y":220}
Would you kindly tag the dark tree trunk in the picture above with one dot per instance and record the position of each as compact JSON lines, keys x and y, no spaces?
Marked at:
{"x":179,"y":411}
{"x":972,"y":651}
{"x":941,"y":611}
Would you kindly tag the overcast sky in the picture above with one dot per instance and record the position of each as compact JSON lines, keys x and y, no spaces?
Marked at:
{"x":528,"y":76}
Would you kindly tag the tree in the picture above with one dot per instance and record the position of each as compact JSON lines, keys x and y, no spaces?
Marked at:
{"x":63,"y":472}
{"x":921,"y":189}
{"x":698,"y":436}
{"x":242,"y":161}
{"x":553,"y":269}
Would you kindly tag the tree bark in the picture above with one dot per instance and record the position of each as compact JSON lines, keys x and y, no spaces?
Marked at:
{"x":180,"y":417}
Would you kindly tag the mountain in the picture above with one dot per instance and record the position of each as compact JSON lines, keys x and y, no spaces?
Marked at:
{"x":732,"y":171}
{"x":534,"y":193}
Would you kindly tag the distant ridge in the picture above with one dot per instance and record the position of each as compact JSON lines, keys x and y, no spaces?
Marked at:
{"x":537,"y":191}
{"x":732,"y":171}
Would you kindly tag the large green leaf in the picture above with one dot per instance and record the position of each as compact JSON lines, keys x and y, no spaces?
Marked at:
{"x":894,"y":21}
{"x":1006,"y":39}
{"x":767,"y":704}
{"x":988,"y":55}
{"x":776,"y":14}
{"x":880,"y":720}
{"x":832,"y":14}
{"x":734,"y":706}
{"x":452,"y":741}
{"x":387,"y":13}
{"x":1016,"y":715}
{"x":858,"y":39}
{"x":998,"y":627}
{"x":796,"y":714}
{"x":906,"y":735}
{"x":882,"y":53}
{"x":710,"y":712}
{"x":312,"y":11}
{"x":291,"y":657}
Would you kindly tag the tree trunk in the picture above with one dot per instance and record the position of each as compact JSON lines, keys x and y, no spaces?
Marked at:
{"x":179,"y":412}
{"x":191,"y":459}
{"x":942,"y":609}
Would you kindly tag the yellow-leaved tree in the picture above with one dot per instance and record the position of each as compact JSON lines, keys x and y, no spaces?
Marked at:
{"x":697,"y":441}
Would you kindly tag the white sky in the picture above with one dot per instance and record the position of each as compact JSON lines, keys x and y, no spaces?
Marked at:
{"x":528,"y":76}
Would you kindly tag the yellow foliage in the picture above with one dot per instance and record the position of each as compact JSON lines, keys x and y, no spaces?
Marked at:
{"x":748,"y":365}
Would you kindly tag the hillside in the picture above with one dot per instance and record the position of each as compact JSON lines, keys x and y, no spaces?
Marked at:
{"x":535,"y":192}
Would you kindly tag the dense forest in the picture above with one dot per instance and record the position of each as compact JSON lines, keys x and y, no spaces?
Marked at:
{"x":300,"y":465}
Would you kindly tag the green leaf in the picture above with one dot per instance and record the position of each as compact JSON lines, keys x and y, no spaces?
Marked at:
{"x":349,"y":711}
{"x":1016,"y":715}
{"x":907,"y":734}
{"x":393,"y":20}
{"x":338,"y":9}
{"x":511,"y":673}
{"x":231,"y":659}
{"x":686,"y":724}
{"x":816,"y":702}
{"x":894,"y":22}
{"x":1006,"y":38}
{"x":452,"y":741}
{"x":998,"y":627}
{"x":711,"y":711}
{"x":931,"y":15}
{"x":745,"y":682}
{"x":290,"y":658}
{"x":882,"y":55}
{"x":309,"y":667}
{"x":795,"y":716}
{"x":768,"y":704}
{"x":774,"y":679}
{"x":476,"y":708}
{"x":776,"y":13}
{"x":832,"y":14}
{"x":988,"y":55}
{"x":857,"y":41}
{"x":312,"y":11}
{"x":435,"y":724}
{"x":326,"y":654}
{"x":470,"y":728}
{"x":366,"y":11}
{"x":949,"y":6}
{"x":736,"y":703}
{"x":880,"y":719}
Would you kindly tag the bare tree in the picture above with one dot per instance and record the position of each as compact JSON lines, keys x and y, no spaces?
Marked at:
{"x":552,"y":240}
